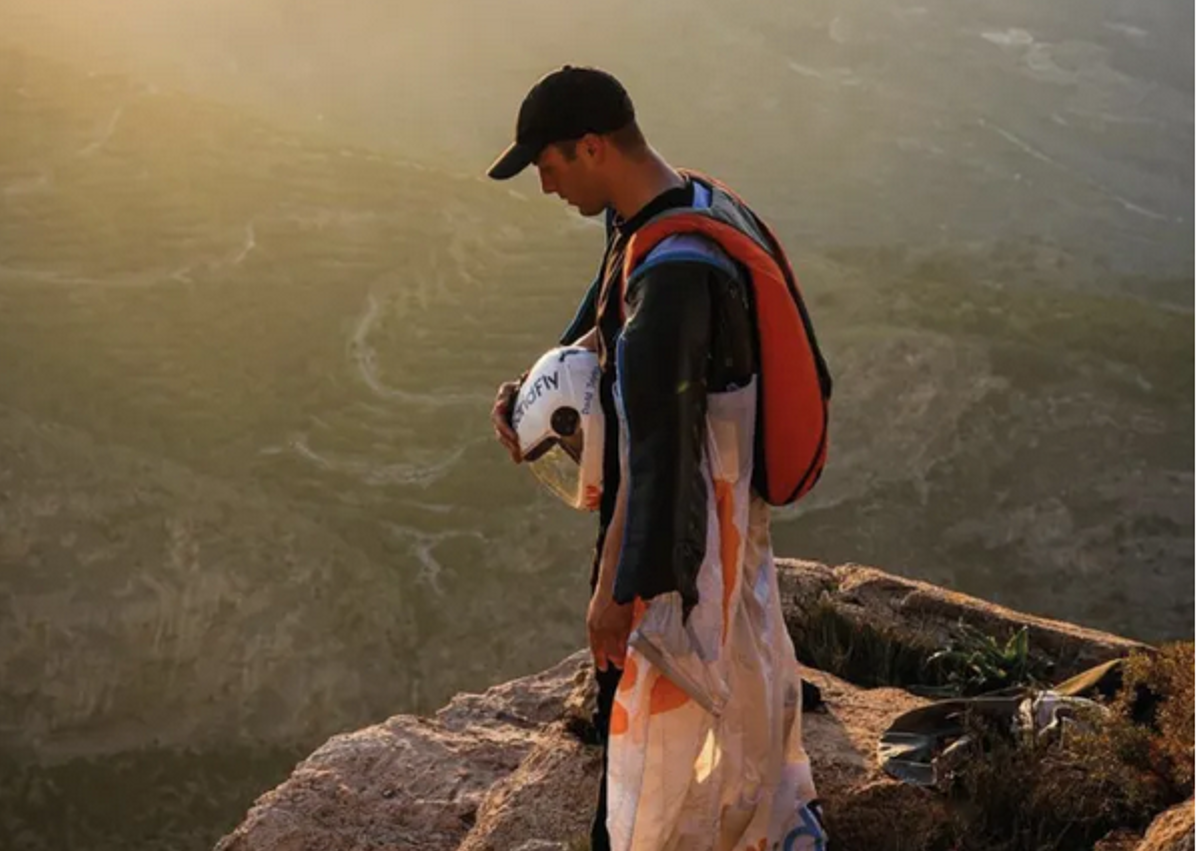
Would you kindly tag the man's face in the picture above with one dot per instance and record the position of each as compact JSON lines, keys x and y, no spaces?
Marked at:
{"x":576,"y":181}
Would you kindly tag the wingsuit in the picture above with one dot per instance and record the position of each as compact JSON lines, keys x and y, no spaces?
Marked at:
{"x":702,"y":724}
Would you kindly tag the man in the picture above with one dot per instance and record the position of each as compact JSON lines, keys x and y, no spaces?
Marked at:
{"x":698,"y":700}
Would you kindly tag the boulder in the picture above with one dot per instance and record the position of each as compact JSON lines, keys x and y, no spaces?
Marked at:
{"x":875,"y":627}
{"x":1174,"y":830}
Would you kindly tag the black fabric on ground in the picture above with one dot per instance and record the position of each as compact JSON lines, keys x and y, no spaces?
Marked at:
{"x":810,"y":697}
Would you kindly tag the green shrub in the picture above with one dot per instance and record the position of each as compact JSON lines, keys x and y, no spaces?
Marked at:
{"x":973,"y":662}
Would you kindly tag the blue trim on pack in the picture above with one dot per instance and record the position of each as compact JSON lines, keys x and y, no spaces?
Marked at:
{"x":682,"y":247}
{"x":685,"y":247}
{"x":712,"y":256}
{"x":626,"y":469}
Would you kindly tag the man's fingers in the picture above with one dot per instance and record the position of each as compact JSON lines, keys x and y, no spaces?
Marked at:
{"x":599,"y":658}
{"x":500,"y":417}
{"x":607,"y":648}
{"x":604,"y":646}
{"x":616,"y":652}
{"x":504,"y":433}
{"x":502,"y":407}
{"x":500,"y":420}
{"x":510,"y":442}
{"x":507,"y":436}
{"x":506,"y":394}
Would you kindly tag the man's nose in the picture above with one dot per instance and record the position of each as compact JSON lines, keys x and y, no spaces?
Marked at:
{"x":547,"y":185}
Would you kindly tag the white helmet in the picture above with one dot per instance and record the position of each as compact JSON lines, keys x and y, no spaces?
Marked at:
{"x":560,"y":425}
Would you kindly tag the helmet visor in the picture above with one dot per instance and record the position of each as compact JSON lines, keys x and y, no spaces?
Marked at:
{"x":554,"y":463}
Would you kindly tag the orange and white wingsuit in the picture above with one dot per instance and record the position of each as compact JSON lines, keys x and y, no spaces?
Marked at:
{"x":705,"y":747}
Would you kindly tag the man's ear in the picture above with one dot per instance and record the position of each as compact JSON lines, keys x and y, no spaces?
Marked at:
{"x":593,"y":147}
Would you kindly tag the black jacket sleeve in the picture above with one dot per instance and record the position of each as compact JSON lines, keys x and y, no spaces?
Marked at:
{"x":662,"y":364}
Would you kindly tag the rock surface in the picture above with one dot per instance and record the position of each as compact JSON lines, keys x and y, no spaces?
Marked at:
{"x":512,"y":768}
{"x":914,"y":618}
{"x":413,"y":783}
{"x":491,"y":772}
{"x":1174,"y":830}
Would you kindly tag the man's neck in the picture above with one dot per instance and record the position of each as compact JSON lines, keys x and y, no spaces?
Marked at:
{"x":645,"y":182}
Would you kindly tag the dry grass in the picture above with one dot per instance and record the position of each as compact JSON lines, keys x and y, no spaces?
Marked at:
{"x":1131,"y":763}
{"x":860,"y":653}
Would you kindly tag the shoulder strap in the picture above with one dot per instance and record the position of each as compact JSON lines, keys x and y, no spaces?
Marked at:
{"x":685,"y":246}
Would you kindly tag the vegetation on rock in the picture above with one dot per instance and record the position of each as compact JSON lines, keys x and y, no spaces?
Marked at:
{"x":1112,"y":770}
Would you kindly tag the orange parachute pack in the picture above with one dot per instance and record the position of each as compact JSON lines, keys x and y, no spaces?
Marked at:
{"x":791,"y":436}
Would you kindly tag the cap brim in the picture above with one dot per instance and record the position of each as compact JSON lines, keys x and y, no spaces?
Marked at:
{"x":512,"y":162}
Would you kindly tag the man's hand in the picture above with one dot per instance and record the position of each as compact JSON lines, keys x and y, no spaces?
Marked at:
{"x":609,"y":624}
{"x":501,"y":412}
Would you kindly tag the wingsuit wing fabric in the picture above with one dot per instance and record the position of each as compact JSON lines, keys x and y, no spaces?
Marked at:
{"x":705,"y":747}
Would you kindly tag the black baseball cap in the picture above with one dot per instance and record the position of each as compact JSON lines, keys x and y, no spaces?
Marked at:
{"x":565,"y":104}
